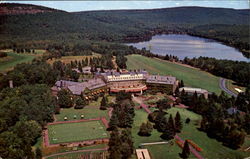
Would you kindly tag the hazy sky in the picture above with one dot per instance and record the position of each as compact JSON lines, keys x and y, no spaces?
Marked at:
{"x":72,"y":6}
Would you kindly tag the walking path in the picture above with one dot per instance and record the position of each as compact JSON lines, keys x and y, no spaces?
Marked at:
{"x":224,"y":87}
{"x":89,"y":150}
{"x":154,"y":143}
{"x":145,"y":107}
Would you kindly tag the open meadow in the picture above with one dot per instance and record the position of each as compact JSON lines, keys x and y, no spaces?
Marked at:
{"x":68,"y":59}
{"x":73,"y":132}
{"x":12,"y":59}
{"x":191,"y":76}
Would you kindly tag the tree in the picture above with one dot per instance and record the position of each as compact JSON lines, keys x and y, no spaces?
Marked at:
{"x":169,"y":131}
{"x":145,"y":129}
{"x":114,"y":145}
{"x":103,"y":103}
{"x":126,"y":147}
{"x":65,"y":98}
{"x":181,"y":84}
{"x":163,"y":104}
{"x":38,"y":153}
{"x":113,"y":123}
{"x":80,"y":103}
{"x":178,"y":123}
{"x":185,"y":151}
{"x":235,"y":138}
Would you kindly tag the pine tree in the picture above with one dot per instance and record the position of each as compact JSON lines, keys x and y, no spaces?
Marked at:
{"x":113,"y":122}
{"x":178,"y":123}
{"x":185,"y":151}
{"x":127,"y":147}
{"x":103,"y":104}
{"x":114,"y":145}
{"x":181,"y":84}
{"x":169,"y":131}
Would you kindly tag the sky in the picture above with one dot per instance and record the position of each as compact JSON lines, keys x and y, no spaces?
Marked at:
{"x":73,"y":6}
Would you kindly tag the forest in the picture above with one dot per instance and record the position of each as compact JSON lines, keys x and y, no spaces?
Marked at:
{"x":39,"y":30}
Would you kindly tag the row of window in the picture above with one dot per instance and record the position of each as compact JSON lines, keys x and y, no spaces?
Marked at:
{"x":124,"y":78}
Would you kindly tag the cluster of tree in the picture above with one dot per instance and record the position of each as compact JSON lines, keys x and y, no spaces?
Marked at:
{"x":228,"y":127}
{"x":23,"y":50}
{"x":64,"y":71}
{"x":3,"y":54}
{"x":59,"y":50}
{"x":24,"y":111}
{"x":36,"y":72}
{"x":121,"y":61}
{"x":168,"y":127}
{"x":120,"y":142}
{"x":66,"y":100}
{"x":171,"y":58}
{"x":235,"y":70}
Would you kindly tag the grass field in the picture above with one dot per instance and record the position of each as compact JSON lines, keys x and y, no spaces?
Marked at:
{"x":211,"y":147}
{"x":73,"y":132}
{"x":231,"y":85}
{"x":7,"y":63}
{"x":89,"y":112}
{"x":67,"y":59}
{"x":191,"y":76}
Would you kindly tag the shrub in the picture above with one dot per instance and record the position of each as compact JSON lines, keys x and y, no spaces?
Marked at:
{"x":187,"y":121}
{"x":3,"y":54}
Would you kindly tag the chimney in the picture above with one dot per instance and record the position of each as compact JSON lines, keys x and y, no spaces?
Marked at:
{"x":11,"y":84}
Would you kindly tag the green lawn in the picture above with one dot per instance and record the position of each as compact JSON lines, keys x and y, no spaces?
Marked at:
{"x":157,"y":151}
{"x":7,"y":63}
{"x":89,"y":112}
{"x":73,"y":132}
{"x":211,"y":147}
{"x":191,"y":76}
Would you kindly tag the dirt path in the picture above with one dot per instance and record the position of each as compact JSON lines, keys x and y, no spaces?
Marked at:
{"x":145,"y":107}
{"x":89,"y":150}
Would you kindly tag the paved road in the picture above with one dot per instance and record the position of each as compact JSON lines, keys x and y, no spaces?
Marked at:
{"x":225,"y":89}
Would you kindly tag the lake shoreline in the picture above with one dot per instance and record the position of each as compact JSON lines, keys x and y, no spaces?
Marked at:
{"x":184,"y":45}
{"x":148,"y":37}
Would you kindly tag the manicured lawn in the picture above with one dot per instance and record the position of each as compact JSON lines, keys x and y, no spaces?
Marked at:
{"x":89,"y":112}
{"x":211,"y":147}
{"x":191,"y":76}
{"x":162,"y":151}
{"x":73,"y":132}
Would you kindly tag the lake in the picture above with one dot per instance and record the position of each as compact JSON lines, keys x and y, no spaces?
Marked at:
{"x":190,"y":46}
